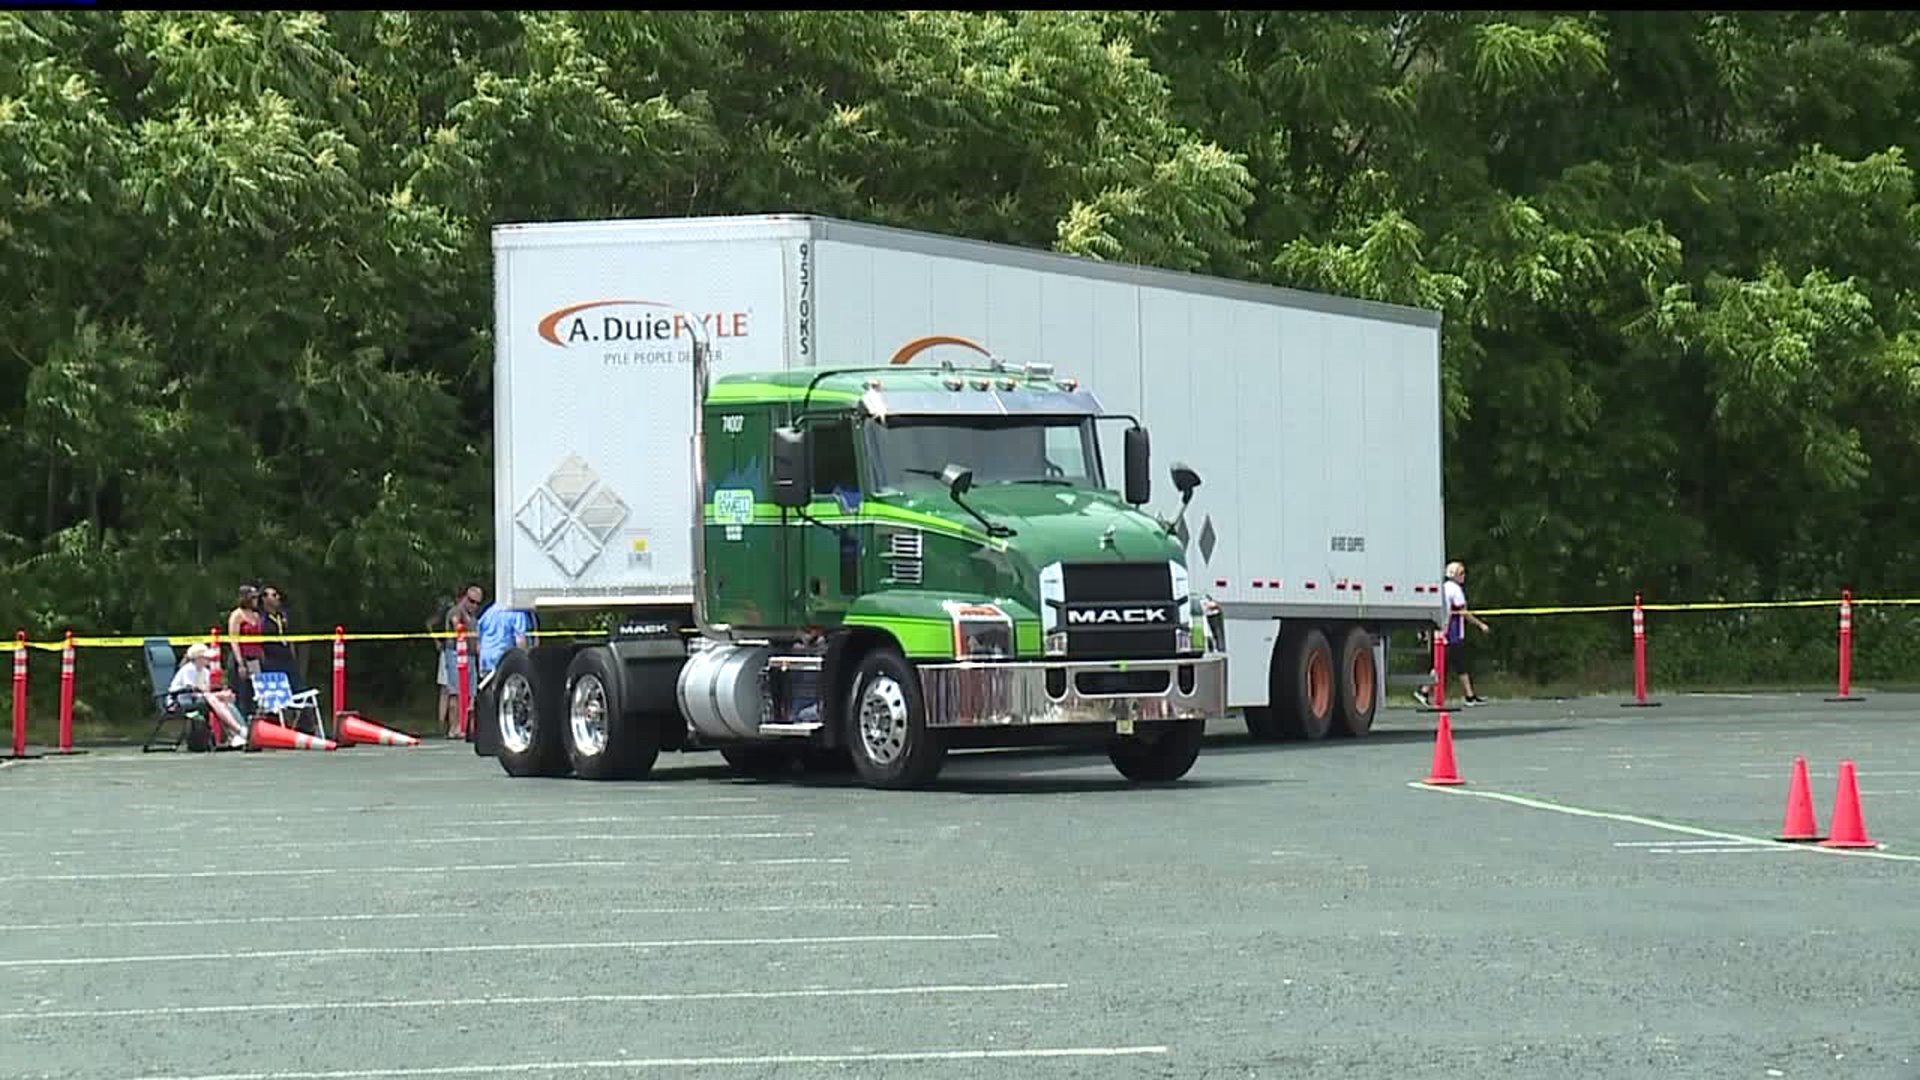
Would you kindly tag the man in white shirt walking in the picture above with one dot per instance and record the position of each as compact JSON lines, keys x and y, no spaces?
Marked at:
{"x":1460,"y":655}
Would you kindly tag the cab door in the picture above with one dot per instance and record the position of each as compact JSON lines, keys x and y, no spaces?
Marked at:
{"x":827,"y":550}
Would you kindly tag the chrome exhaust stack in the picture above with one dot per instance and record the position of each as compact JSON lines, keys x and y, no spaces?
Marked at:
{"x":702,"y":356}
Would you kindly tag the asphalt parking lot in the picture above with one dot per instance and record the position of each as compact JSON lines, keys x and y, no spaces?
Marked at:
{"x":1601,"y":898}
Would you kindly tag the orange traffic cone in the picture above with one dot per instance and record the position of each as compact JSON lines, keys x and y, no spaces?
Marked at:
{"x":355,"y":730}
{"x":1849,"y":831}
{"x":1444,"y":771}
{"x":272,"y":736}
{"x":1800,"y":823}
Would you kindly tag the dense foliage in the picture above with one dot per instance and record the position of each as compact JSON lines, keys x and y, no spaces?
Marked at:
{"x":245,"y":259}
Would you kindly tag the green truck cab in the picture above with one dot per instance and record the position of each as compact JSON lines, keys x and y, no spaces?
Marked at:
{"x":894,"y":563}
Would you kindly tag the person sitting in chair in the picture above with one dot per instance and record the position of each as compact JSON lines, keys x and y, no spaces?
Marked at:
{"x":192,"y":689}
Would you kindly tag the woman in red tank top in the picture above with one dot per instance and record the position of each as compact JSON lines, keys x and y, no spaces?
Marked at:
{"x":245,"y":620}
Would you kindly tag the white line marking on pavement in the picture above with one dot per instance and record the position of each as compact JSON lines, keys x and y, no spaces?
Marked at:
{"x":1744,"y":849}
{"x":558,"y":999}
{"x":1651,"y":823}
{"x":1669,"y":843}
{"x":638,"y":1064}
{"x":329,"y":871}
{"x":490,"y":947}
{"x":405,"y":916}
{"x":435,"y":841}
{"x":307,"y":814}
{"x":132,"y":833}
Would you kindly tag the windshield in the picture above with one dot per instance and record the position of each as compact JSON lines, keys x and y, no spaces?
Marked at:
{"x":912,"y":451}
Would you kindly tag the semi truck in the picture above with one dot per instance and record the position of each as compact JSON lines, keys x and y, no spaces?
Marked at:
{"x":845,"y":493}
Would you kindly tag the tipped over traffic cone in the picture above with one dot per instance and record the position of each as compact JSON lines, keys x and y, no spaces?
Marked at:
{"x":1443,"y":771}
{"x":356,"y":730}
{"x":1849,"y":831}
{"x":271,"y":736}
{"x":1800,"y":823}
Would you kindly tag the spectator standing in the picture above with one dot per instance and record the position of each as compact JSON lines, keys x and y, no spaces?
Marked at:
{"x":244,"y":622}
{"x":455,"y":621}
{"x":277,"y":652}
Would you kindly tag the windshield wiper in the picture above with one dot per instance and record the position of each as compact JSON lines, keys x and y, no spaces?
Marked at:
{"x":1052,"y":480}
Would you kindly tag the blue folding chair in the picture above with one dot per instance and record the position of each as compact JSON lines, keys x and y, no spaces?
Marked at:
{"x":273,"y":695}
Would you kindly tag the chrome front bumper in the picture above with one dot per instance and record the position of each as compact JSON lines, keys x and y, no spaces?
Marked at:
{"x":1029,"y":693}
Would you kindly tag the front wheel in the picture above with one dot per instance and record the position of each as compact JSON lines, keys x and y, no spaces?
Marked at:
{"x":1159,"y":753}
{"x":887,"y":724}
{"x":604,"y":741}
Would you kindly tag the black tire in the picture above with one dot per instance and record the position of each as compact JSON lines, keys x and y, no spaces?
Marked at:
{"x":1358,"y":699}
{"x":1262,"y":724}
{"x":760,"y":762}
{"x":483,"y":735}
{"x":909,"y":754}
{"x":1158,"y":753}
{"x":527,"y":719}
{"x":827,"y":760}
{"x":1304,"y":694}
{"x":604,"y":741}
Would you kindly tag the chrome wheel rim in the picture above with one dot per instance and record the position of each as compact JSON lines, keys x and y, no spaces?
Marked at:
{"x":587,"y":715}
{"x":514,"y":716}
{"x":883,"y":719}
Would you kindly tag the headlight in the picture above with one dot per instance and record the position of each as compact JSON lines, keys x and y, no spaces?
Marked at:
{"x":1192,"y":637}
{"x":980,"y":631}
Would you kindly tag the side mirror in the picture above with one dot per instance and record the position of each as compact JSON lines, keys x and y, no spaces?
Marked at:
{"x":1139,"y":479}
{"x":958,"y":479}
{"x":791,"y":449}
{"x":1185,"y":480}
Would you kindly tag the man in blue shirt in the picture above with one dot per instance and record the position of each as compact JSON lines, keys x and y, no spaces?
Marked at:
{"x":503,"y":628}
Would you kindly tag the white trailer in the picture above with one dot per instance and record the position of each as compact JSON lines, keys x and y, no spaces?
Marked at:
{"x":1314,"y":421}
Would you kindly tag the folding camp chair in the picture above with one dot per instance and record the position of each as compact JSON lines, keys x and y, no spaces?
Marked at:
{"x":273,"y":696}
{"x":194,"y":722}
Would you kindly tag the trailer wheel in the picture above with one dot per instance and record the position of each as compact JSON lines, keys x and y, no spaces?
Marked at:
{"x":1359,"y":697}
{"x":1306,"y":693}
{"x":887,"y":723}
{"x":1159,"y":753}
{"x":526,"y":718}
{"x":604,"y":741}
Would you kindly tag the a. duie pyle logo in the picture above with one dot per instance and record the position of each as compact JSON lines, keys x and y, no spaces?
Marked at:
{"x":637,"y":331}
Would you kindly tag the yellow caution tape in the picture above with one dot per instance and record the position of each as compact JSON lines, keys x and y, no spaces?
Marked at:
{"x":125,"y":642}
{"x":128,"y":642}
{"x":1709,"y":605}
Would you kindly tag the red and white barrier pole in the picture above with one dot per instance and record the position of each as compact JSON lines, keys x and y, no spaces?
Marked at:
{"x":466,"y":689}
{"x":1639,"y":660}
{"x":66,"y":696}
{"x":1440,"y":670}
{"x":219,"y":662}
{"x":339,"y":671}
{"x":1846,"y":648}
{"x":20,"y":694}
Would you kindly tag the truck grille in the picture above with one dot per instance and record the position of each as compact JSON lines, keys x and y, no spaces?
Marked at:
{"x":1118,"y":610}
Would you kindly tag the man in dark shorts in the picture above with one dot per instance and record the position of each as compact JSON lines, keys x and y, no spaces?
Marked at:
{"x":1460,"y":655}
